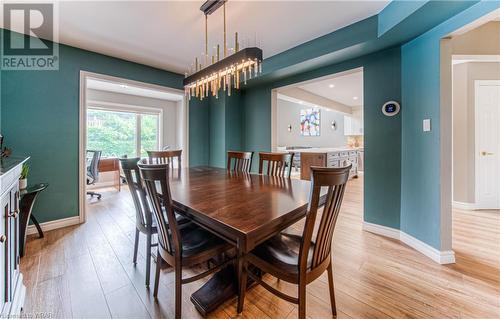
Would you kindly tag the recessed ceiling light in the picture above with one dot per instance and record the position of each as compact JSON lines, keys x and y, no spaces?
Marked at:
{"x":331,"y":86}
{"x":300,"y":102}
{"x":354,"y":97}
{"x":123,"y":86}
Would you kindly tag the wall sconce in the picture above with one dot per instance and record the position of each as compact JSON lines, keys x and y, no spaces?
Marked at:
{"x":289,"y":127}
{"x":334,"y":125}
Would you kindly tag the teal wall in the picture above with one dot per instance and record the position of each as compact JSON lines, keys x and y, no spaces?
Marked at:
{"x":39,"y":118}
{"x":225,"y":115}
{"x":421,"y":160}
{"x":217,"y":133}
{"x":382,"y":78}
{"x":257,"y":122}
{"x":199,"y":148}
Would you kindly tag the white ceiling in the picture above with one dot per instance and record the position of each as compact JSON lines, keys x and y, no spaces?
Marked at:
{"x":347,"y":89}
{"x":131,"y":90}
{"x":169,"y":34}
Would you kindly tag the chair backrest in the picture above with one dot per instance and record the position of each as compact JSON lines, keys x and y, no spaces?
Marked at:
{"x":156,"y":182}
{"x":239,"y":161}
{"x":136,"y":187}
{"x":93,"y":168}
{"x":335,"y":179}
{"x":277,"y":164}
{"x":165,"y":157}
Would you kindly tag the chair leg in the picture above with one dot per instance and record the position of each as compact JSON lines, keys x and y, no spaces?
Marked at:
{"x":178,"y":291}
{"x":159,"y":262}
{"x":148,"y":258}
{"x":302,"y":300}
{"x":332,"y":290}
{"x":243,"y":288}
{"x":136,"y":245}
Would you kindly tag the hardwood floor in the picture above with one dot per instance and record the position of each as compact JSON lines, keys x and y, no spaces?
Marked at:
{"x":86,"y":271}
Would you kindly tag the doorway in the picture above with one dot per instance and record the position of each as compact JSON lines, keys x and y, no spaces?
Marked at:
{"x":321,"y":122}
{"x":124,"y":118}
{"x":470,"y":108}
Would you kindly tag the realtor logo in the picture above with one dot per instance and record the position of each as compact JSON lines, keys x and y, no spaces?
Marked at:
{"x":29,"y":39}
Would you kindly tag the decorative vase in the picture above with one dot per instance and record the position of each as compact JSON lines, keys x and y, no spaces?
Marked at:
{"x":23,"y":183}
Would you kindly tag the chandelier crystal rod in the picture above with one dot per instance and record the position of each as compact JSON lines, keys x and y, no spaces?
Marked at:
{"x":225,"y":74}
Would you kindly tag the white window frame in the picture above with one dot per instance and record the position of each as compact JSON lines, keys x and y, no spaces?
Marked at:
{"x":138,"y":111}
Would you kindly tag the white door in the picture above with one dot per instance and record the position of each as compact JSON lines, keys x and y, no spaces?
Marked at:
{"x":487,"y":97}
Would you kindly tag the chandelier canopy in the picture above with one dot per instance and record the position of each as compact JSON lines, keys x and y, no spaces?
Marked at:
{"x":225,"y":73}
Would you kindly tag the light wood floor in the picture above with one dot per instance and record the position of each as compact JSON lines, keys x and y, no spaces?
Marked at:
{"x":86,"y":271}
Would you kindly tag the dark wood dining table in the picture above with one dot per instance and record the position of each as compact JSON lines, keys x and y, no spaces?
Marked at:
{"x":244,"y":209}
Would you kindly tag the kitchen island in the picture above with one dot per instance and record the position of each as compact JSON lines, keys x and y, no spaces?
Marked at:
{"x":327,"y":157}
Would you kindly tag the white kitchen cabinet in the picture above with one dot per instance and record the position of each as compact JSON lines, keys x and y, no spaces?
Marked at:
{"x":353,"y":125}
{"x":12,"y":289}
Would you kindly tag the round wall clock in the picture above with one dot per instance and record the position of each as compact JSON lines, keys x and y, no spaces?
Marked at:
{"x":391,"y":108}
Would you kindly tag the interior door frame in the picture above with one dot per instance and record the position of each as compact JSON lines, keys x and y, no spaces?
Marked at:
{"x":477,"y":84}
{"x":82,"y":134}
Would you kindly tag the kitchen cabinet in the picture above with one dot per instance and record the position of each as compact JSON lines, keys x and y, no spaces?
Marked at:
{"x":361,"y":160}
{"x":327,"y":157}
{"x":353,"y":126}
{"x":12,"y":289}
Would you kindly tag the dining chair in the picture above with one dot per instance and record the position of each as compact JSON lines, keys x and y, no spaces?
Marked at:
{"x":179,"y":247}
{"x":144,"y":222}
{"x":277,"y":164}
{"x":239,"y":161}
{"x":166,"y":157}
{"x":298,"y":259}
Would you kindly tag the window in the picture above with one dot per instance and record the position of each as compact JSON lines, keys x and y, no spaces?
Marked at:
{"x":122,"y":132}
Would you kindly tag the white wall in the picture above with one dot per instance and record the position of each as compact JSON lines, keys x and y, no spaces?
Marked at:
{"x":288,"y":113}
{"x":171,"y":112}
{"x":464,"y":75}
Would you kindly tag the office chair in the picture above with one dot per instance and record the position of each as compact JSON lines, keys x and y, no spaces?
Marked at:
{"x":93,"y":171}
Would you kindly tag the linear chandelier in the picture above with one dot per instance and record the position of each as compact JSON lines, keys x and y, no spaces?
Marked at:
{"x":226,"y":73}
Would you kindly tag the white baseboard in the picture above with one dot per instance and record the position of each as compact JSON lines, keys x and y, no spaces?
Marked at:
{"x":55,"y":224}
{"x":464,"y":205}
{"x":381,"y":230}
{"x":471,"y":206}
{"x":440,"y":256}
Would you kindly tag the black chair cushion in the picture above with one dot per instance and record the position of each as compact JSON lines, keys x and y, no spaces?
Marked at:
{"x":282,"y":251}
{"x":196,"y":240}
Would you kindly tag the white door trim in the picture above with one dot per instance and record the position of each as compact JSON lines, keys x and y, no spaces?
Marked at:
{"x":82,"y":134}
{"x":478,"y":83}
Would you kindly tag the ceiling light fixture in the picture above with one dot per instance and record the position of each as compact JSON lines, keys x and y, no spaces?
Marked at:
{"x":123,"y":86}
{"x":203,"y":81}
{"x":332,"y":86}
{"x":354,"y":97}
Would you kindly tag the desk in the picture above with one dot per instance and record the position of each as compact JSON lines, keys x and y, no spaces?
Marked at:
{"x":111,"y":164}
{"x":244,"y":209}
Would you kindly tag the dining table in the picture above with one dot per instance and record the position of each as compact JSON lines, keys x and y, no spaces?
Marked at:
{"x":242,"y":208}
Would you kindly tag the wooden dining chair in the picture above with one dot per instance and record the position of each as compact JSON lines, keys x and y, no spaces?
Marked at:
{"x":144,"y":222}
{"x":278,"y":164}
{"x":299,"y":259}
{"x":166,"y":157}
{"x":179,"y":247}
{"x":239,"y":161}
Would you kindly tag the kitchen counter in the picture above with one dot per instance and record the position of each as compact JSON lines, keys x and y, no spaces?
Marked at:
{"x":326,"y":149}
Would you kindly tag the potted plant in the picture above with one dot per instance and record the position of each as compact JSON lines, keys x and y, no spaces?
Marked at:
{"x":23,"y":179}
